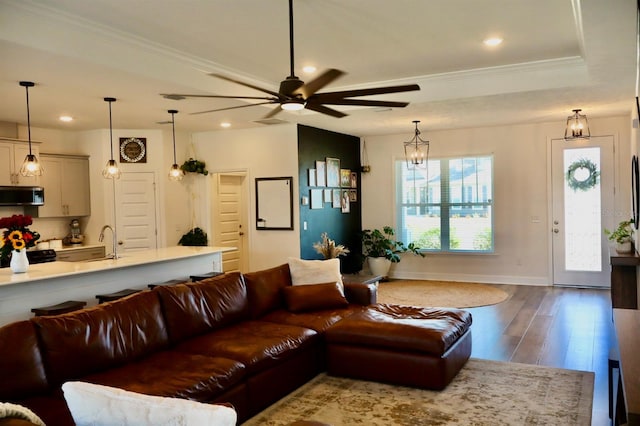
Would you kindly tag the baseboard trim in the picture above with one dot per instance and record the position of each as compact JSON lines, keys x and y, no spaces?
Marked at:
{"x":488,"y":279}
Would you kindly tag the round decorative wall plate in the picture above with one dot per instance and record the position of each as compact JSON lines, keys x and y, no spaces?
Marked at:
{"x":133,"y":150}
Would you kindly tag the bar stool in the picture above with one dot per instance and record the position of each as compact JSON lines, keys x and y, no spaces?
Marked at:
{"x":170,"y":282}
{"x":115,"y":296}
{"x":60,"y":308}
{"x":201,"y":277}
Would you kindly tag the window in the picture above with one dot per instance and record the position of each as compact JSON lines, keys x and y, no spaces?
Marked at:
{"x":447,"y":206}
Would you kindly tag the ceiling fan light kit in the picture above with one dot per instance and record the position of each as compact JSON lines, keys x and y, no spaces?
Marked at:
{"x":577,"y":126}
{"x":294,"y":94}
{"x":30,"y":166}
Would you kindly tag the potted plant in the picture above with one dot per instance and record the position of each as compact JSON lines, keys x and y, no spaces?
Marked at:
{"x":623,"y":236}
{"x":382,"y":249}
{"x":328,"y":248}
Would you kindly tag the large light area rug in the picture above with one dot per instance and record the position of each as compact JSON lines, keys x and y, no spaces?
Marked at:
{"x":484,"y":393}
{"x":449,"y":294}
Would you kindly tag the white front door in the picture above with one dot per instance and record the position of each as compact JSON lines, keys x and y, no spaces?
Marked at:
{"x":583,"y":205}
{"x":230,"y":220}
{"x":136,"y":211}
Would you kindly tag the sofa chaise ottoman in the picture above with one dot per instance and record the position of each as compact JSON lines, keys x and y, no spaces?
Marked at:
{"x":402,"y":345}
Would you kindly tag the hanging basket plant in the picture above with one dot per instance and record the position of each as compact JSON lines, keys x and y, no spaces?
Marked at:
{"x":194,"y":166}
{"x":582,"y":175}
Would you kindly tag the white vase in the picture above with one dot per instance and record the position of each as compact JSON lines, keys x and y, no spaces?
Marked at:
{"x":379,"y":266}
{"x":624,"y":247}
{"x":19,"y":261}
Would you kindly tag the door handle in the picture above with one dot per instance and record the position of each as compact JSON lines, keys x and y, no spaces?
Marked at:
{"x":241,"y":233}
{"x":556,"y":230}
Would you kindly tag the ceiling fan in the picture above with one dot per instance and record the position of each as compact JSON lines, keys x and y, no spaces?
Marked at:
{"x":294,"y":94}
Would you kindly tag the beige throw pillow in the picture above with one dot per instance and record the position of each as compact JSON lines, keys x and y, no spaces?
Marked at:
{"x":314,"y":271}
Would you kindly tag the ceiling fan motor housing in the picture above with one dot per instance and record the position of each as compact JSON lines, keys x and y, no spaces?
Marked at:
{"x":290,"y":85}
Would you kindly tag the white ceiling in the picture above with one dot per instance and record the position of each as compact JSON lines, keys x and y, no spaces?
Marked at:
{"x":557,"y":55}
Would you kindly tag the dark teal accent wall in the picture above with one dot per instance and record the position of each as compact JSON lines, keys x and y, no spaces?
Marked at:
{"x":317,"y":144}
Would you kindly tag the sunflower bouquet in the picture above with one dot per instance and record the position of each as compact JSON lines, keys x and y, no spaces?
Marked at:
{"x":16,"y":235}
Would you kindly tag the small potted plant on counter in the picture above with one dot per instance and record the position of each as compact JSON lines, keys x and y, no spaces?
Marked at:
{"x":623,"y":236}
{"x":382,"y":249}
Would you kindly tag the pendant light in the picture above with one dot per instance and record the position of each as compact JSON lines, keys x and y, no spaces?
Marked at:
{"x":577,"y":126}
{"x":416,"y":150}
{"x":175,"y":172}
{"x":30,"y":166}
{"x":111,"y":170}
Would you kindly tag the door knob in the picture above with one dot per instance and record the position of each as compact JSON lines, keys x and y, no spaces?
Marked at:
{"x":556,"y":230}
{"x":241,"y":233}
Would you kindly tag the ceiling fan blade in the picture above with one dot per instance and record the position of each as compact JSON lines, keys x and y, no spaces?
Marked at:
{"x":180,"y":95}
{"x":273,"y":112}
{"x":327,"y":96}
{"x":319,"y":82}
{"x":233,"y":107}
{"x":324,"y":110}
{"x":242,"y":83}
{"x":364,"y":102}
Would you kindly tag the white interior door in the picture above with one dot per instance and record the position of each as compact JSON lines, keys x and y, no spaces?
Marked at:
{"x":136,"y":211}
{"x":230,"y":220}
{"x":583,"y":205}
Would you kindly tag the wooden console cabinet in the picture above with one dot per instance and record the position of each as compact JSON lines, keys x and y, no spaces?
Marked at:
{"x":624,"y":281}
{"x":627,"y":324}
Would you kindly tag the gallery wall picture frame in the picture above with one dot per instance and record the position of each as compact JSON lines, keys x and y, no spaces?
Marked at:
{"x":336,"y":199}
{"x":328,"y":196}
{"x":333,"y":172}
{"x":321,"y":173}
{"x":345,"y":203}
{"x":312,"y":177}
{"x":354,"y":179}
{"x":316,"y":199}
{"x":345,"y":178}
{"x":353,"y":195}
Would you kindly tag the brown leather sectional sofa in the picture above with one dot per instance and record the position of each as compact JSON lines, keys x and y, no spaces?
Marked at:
{"x":225,"y":339}
{"x":247,"y":340}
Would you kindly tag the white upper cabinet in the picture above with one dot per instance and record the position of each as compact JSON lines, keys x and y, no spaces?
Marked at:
{"x":66,"y":186}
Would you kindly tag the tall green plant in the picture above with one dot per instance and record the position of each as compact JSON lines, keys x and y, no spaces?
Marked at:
{"x":382,"y":243}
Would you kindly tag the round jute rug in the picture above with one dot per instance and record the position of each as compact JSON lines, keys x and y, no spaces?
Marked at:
{"x":449,"y":294}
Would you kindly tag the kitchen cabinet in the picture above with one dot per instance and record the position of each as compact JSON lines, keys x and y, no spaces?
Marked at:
{"x":12,"y":154}
{"x":66,"y":186}
{"x":79,"y":254}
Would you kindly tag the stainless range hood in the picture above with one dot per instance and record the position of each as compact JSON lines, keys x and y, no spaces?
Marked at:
{"x":21,"y":196}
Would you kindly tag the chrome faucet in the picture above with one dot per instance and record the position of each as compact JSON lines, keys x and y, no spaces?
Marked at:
{"x":114,"y":253}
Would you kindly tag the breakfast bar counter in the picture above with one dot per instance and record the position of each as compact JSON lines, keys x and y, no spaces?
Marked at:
{"x":54,"y":282}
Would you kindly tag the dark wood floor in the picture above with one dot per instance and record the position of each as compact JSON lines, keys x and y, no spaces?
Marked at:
{"x":553,"y":326}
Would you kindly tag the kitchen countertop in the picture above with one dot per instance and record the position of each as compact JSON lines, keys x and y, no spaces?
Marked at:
{"x":58,"y":269}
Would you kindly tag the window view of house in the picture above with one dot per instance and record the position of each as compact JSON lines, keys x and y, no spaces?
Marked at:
{"x":448,"y":205}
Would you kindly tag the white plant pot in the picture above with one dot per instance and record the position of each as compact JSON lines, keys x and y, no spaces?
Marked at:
{"x":19,"y":263}
{"x":623,"y":247}
{"x":379,"y":266}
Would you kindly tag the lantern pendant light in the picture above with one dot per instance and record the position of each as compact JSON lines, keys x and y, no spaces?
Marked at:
{"x":175,"y":172}
{"x":416,"y":150}
{"x":577,"y":126}
{"x":111,"y":170}
{"x":30,"y":166}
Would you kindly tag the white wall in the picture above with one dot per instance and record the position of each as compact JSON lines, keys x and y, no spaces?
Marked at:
{"x":268,"y":151}
{"x":521,"y":194}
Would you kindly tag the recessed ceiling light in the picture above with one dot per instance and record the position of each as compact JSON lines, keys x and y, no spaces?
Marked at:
{"x":225,"y":124}
{"x":492,"y":41}
{"x":309,"y":69}
{"x":66,"y":118}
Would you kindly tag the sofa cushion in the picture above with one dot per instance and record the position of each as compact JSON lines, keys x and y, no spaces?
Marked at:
{"x":264,"y":289}
{"x":315,"y":320}
{"x":314,"y":271}
{"x":21,"y":369}
{"x":101,"y":337}
{"x":258,"y":345}
{"x":174,"y":374}
{"x":98,"y":405}
{"x":314,"y":297}
{"x":197,"y":308}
